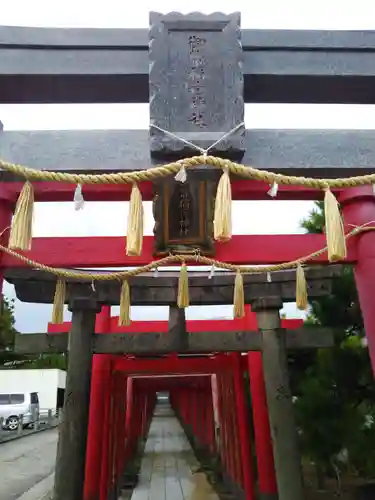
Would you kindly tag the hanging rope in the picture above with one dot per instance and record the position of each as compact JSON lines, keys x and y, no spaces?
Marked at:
{"x":170,"y":259}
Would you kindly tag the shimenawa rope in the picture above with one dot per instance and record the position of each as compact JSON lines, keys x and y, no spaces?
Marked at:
{"x":183,"y":291}
{"x":172,"y":168}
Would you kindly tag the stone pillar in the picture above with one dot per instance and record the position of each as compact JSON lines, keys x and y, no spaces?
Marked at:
{"x":279,"y":400}
{"x":358,"y":207}
{"x":71,"y":451}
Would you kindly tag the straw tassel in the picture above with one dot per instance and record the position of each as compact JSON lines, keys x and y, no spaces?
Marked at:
{"x":134,"y":236}
{"x":301,"y":289}
{"x":334,"y":228}
{"x":223,"y":209}
{"x":124,"y":317}
{"x":22,"y":225}
{"x":239,"y":297}
{"x":59,"y":302}
{"x":183,"y":288}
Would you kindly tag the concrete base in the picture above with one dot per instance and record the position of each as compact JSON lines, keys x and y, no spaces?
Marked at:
{"x":40,"y":491}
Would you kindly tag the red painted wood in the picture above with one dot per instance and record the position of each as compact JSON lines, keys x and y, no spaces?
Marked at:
{"x":121,"y":438}
{"x":197,"y":415}
{"x":246,"y":189}
{"x":129,"y":415}
{"x":262,"y":431}
{"x":234,"y":429}
{"x":6,"y":213}
{"x":110,"y":251}
{"x":242,"y":189}
{"x":64,"y":192}
{"x":165,"y":365}
{"x":358,"y":207}
{"x":243,"y":421}
{"x":116,"y":429}
{"x":221,"y":418}
{"x":106,"y":446}
{"x":210,"y":420}
{"x":263,"y":441}
{"x":99,"y":384}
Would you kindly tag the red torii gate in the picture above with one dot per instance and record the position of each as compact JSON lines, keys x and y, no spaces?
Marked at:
{"x":135,"y":380}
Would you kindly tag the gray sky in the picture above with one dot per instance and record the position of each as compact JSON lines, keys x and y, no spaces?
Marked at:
{"x":98,"y":219}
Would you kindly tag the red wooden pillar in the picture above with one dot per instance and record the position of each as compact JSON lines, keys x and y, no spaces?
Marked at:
{"x":222,"y":427}
{"x":101,"y":372}
{"x":190,"y":410}
{"x":6,"y":212}
{"x":207,"y":414}
{"x":243,"y":420}
{"x":210,"y":419}
{"x":236,"y":447}
{"x":185,"y":406}
{"x":267,"y":485}
{"x":232,"y":433}
{"x":116,"y":426}
{"x":216,"y":412}
{"x":225,"y":427}
{"x":358,"y":208}
{"x":129,"y":417}
{"x":195,"y":415}
{"x":107,"y":438}
{"x":201,"y":416}
{"x":145,"y":414}
{"x":122,"y":428}
{"x":263,"y":442}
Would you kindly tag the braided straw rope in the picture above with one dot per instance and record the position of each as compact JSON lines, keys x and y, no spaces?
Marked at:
{"x":122,"y":275}
{"x":172,"y":168}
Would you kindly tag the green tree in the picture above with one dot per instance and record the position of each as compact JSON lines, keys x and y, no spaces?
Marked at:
{"x":335,"y":393}
{"x":7,"y":322}
{"x":11,"y":360}
{"x":7,"y":334}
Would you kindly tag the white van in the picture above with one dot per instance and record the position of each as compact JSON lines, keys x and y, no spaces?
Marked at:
{"x":15,"y":404}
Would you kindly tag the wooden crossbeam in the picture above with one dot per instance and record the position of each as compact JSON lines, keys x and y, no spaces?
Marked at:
{"x":163,"y":343}
{"x":40,"y":65}
{"x":325,"y":153}
{"x":39,"y":287}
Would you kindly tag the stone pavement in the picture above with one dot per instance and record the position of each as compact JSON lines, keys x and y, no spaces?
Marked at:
{"x":168,"y":465}
{"x":27,"y":465}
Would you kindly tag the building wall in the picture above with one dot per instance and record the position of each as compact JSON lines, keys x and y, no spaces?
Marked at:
{"x":61,"y":379}
{"x":45,"y":382}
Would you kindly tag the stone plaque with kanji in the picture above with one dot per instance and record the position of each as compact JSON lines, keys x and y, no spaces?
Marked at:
{"x":196,"y":83}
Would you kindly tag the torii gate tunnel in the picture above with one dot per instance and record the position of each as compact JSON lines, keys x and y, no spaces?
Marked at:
{"x":196,"y":71}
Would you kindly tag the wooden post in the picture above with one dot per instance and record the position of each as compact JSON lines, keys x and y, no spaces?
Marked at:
{"x":280,"y":405}
{"x":71,"y":452}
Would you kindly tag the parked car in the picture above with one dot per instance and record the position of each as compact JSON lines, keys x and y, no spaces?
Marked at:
{"x":15,"y":404}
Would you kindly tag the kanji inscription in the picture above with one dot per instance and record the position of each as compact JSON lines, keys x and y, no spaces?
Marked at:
{"x":196,"y":83}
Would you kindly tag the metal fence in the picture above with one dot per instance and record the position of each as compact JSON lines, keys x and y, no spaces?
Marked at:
{"x":42,"y":420}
